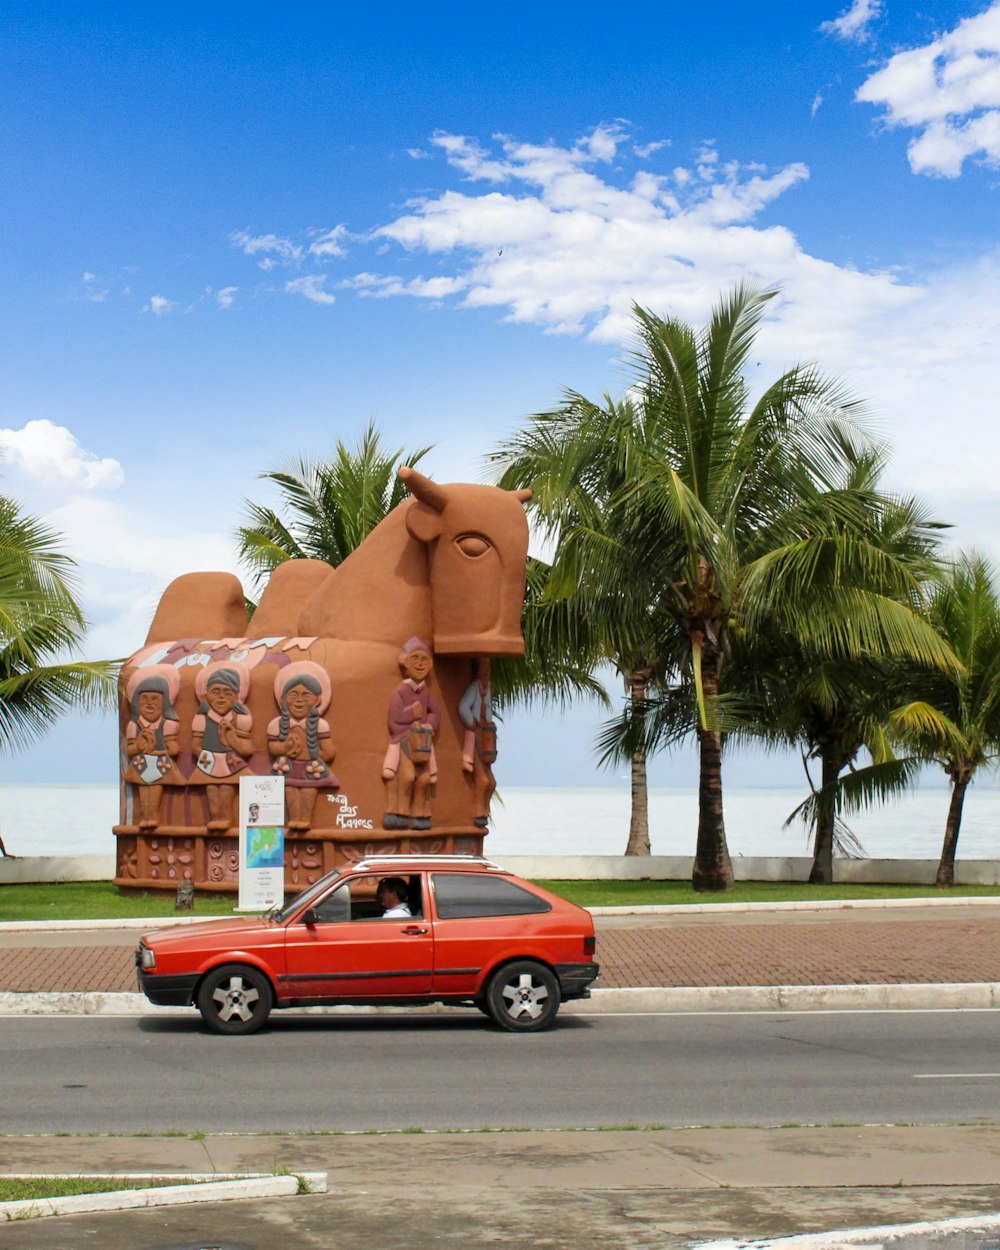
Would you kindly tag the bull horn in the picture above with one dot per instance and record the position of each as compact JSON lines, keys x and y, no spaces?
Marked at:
{"x":422,"y":488}
{"x":524,"y":495}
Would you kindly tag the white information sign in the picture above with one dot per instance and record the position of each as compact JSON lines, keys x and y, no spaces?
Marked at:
{"x":262,"y":842}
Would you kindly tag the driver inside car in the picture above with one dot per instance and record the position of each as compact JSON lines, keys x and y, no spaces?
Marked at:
{"x":391,"y":896}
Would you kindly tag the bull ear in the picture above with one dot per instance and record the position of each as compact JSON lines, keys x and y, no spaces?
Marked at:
{"x":423,"y":523}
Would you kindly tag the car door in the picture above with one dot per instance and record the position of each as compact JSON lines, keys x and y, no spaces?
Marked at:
{"x":480,"y":919}
{"x":351,"y":952}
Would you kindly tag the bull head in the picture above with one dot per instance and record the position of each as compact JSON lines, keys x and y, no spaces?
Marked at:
{"x":477,"y":543}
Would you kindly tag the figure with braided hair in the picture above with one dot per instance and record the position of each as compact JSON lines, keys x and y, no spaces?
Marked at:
{"x":299,"y":741}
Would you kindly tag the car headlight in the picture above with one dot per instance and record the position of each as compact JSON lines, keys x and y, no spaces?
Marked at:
{"x":147,"y":958}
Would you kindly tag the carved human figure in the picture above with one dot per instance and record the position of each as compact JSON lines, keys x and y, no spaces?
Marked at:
{"x":480,"y":747}
{"x":220,"y":737}
{"x":151,"y":743}
{"x":409,"y":769}
{"x":299,"y":741}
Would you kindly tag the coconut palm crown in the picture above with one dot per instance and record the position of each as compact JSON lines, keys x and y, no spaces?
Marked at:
{"x":711,"y":515}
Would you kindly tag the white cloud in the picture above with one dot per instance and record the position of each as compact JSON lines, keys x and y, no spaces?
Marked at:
{"x":816,"y":104}
{"x":89,"y":277}
{"x":646,"y":150}
{"x":159,"y":306}
{"x":226,"y":296}
{"x":271,"y":245}
{"x":311,"y":287}
{"x":561,"y":246}
{"x":50,"y":454}
{"x":582,"y":239}
{"x":949,"y":92}
{"x":329,"y":242}
{"x":853,"y":24}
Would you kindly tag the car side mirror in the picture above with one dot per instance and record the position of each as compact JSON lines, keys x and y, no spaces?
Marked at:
{"x":309,"y":917}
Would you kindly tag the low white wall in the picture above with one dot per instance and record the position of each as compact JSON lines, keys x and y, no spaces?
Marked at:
{"x":30,"y":868}
{"x":745,"y":868}
{"x":593,"y":868}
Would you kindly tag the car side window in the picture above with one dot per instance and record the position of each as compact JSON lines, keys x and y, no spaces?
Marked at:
{"x":462,"y":895}
{"x":336,"y":907}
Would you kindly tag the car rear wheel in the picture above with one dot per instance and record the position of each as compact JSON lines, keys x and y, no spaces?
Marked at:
{"x":235,"y":999}
{"x":523,"y":997}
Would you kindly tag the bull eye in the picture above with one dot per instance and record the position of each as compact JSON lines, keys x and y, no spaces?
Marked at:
{"x":473,"y":545}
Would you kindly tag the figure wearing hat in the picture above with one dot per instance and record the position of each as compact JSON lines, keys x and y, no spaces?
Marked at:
{"x":220,"y":737}
{"x":151,"y":742}
{"x":299,"y":741}
{"x":410,"y":766}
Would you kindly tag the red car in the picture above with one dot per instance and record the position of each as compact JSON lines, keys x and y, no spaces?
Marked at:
{"x":391,"y":929}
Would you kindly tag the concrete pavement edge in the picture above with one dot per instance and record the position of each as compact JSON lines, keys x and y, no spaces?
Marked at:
{"x":650,"y":1000}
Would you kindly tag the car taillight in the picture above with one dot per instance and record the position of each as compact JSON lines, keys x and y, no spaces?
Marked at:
{"x":590,"y":945}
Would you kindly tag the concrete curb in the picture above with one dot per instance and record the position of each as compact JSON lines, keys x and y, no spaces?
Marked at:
{"x":646,"y":909}
{"x":876,"y":1237}
{"x":207,"y":1188}
{"x":649,"y":1000}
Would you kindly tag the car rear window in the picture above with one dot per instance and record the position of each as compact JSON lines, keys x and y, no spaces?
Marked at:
{"x":463,"y":895}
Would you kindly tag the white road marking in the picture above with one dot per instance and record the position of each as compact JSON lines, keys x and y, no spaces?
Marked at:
{"x":956,"y":1076}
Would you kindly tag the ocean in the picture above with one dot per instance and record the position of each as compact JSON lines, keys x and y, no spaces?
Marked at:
{"x":77,"y":820}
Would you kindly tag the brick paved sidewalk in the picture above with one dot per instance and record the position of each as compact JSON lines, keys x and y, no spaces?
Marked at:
{"x":941,"y":949}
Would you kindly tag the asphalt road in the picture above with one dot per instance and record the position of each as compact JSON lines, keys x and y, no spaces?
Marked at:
{"x":101,"y":1074}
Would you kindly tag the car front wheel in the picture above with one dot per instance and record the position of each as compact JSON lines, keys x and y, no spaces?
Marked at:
{"x":235,"y":999}
{"x":523,"y":997}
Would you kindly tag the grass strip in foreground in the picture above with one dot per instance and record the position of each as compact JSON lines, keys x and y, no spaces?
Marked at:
{"x":21,"y":1188}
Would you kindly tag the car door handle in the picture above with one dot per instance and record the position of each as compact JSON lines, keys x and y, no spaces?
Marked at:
{"x":413,"y":931}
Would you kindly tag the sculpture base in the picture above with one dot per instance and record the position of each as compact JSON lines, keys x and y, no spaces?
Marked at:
{"x":156,"y":861}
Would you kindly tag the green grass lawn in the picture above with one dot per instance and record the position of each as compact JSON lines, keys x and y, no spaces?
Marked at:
{"x":23,"y":1188}
{"x":99,"y":900}
{"x":624,"y":893}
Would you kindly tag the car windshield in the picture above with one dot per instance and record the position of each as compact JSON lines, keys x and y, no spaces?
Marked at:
{"x":279,"y":914}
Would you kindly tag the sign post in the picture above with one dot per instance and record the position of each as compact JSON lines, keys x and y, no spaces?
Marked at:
{"x":262,"y":843}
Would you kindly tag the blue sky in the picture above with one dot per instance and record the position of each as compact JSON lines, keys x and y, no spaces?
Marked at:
{"x":233,"y":233}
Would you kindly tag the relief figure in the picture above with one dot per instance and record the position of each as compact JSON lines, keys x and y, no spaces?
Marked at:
{"x":151,"y":743}
{"x":299,"y":741}
{"x":480,"y":747}
{"x":220,"y":737}
{"x":409,"y":769}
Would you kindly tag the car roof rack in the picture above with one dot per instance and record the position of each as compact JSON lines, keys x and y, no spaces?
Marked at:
{"x":422,"y":857}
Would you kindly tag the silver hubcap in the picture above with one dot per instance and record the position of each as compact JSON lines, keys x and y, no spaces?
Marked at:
{"x":525,"y":997}
{"x":235,"y":1000}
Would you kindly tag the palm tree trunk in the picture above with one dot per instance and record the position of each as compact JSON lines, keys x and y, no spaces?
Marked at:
{"x":821,"y":872}
{"x":638,"y":830}
{"x":713,"y":869}
{"x":946,"y":867}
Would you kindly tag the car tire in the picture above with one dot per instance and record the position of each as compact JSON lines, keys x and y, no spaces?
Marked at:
{"x":235,"y":999}
{"x":523,"y":997}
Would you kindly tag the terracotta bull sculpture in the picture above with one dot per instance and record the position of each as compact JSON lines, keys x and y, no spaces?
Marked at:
{"x":347,"y":682}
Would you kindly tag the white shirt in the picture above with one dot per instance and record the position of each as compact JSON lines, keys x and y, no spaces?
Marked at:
{"x":399,"y":912}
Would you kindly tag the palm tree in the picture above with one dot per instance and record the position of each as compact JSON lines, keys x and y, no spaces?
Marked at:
{"x":721,"y":518}
{"x":40,"y":622}
{"x":578,"y":460}
{"x":832,"y":706}
{"x":328,"y":508}
{"x":957,"y":720}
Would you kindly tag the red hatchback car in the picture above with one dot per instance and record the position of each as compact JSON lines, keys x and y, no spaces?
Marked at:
{"x":391,"y":929}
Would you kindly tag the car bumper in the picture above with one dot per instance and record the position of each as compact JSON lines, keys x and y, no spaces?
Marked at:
{"x":575,"y":979}
{"x":168,"y":991}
